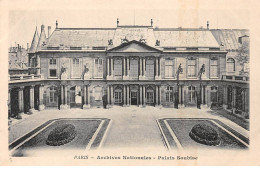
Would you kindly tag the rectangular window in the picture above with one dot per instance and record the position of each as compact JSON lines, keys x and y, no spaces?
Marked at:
{"x":118,"y":67}
{"x":213,"y":68}
{"x":133,"y":68}
{"x":52,"y":61}
{"x":98,"y":72}
{"x":53,"y":73}
{"x":149,"y":72}
{"x":52,"y":68}
{"x":169,"y":68}
{"x":76,"y":69}
{"x":169,"y":94}
{"x":191,"y":68}
{"x":118,"y":97}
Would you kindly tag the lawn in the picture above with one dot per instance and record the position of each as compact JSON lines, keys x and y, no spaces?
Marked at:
{"x":238,"y":120}
{"x":85,"y":129}
{"x":182,"y":127}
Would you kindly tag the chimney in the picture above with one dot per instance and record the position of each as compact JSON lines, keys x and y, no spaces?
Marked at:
{"x":49,"y":31}
{"x":207,"y":24}
{"x":27,"y":46}
{"x":56,"y":24}
{"x":18,"y":47}
{"x":151,"y":22}
{"x":117,"y":22}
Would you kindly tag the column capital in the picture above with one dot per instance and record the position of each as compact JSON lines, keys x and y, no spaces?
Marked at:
{"x":32,"y":86}
{"x":21,"y":87}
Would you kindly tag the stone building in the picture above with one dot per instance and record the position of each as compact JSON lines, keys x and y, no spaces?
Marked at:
{"x":132,"y":65}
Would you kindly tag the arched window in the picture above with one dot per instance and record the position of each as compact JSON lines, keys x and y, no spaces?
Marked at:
{"x":169,"y":94}
{"x":230,"y":65}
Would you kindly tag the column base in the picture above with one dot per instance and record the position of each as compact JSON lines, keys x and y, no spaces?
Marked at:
{"x":144,"y":105}
{"x":126,"y":77}
{"x":9,"y":122}
{"x":233,"y":110}
{"x":158,"y":78}
{"x":204,"y":106}
{"x":181,"y":106}
{"x":109,"y":77}
{"x":19,"y":116}
{"x":109,"y":106}
{"x":124,"y":105}
{"x":64,"y":107}
{"x":31,"y":111}
{"x":225,"y":106}
{"x":41,"y":107}
{"x":141,"y":77}
{"x":86,"y":106}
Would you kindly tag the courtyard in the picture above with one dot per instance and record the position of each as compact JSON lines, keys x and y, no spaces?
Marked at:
{"x":128,"y":129}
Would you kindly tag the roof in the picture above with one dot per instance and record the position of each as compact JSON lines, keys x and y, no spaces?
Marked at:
{"x":133,"y":46}
{"x":186,"y":38}
{"x":80,"y":37}
{"x":229,"y":37}
{"x":64,"y":38}
{"x":42,"y":40}
{"x":34,"y":42}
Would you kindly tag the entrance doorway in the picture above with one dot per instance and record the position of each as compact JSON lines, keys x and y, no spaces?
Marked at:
{"x":75,"y":97}
{"x":133,"y":97}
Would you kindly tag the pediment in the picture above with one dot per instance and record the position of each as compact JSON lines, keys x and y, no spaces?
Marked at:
{"x":134,"y":47}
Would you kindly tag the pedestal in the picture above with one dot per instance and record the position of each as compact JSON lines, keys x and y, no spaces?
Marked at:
{"x":41,"y":107}
{"x":31,"y":111}
{"x":225,"y":106}
{"x":64,"y":107}
{"x":86,"y":106}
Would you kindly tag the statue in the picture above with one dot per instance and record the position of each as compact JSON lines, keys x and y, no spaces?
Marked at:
{"x":157,"y":43}
{"x":110,"y":42}
{"x":85,"y":71}
{"x":125,"y":40}
{"x":63,"y":71}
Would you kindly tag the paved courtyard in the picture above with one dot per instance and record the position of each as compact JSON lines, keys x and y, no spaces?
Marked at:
{"x":131,"y":127}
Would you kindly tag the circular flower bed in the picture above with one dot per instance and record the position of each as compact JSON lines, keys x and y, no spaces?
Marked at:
{"x":61,"y":135}
{"x":205,"y":134}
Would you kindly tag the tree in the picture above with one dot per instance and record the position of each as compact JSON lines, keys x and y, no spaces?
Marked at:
{"x":243,"y":56}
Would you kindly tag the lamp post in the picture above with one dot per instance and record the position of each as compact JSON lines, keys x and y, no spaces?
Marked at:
{"x":202,"y":70}
{"x":179,"y":70}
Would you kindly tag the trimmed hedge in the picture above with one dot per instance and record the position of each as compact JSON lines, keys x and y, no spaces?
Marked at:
{"x":205,"y":134}
{"x":61,"y":135}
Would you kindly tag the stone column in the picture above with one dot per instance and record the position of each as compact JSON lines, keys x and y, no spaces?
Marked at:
{"x":21,"y":102}
{"x":86,"y":97}
{"x":234,"y":99}
{"x":88,"y":89}
{"x":124,"y":96}
{"x":65,"y":95}
{"x":144,"y":67}
{"x":159,"y":67}
{"x":112,"y":67}
{"x":156,"y":67}
{"x":156,"y":96}
{"x":108,"y":95}
{"x":225,"y":96}
{"x":124,"y":67}
{"x":144,"y":90}
{"x":62,"y":94}
{"x":160,"y":95}
{"x":108,"y":67}
{"x":41,"y":105}
{"x":127,"y":96}
{"x":128,"y":66}
{"x":140,"y":67}
{"x":31,"y":99}
{"x":112,"y":95}
{"x":141,"y":96}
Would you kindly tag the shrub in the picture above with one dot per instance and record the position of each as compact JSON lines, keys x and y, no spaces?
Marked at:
{"x":61,"y":135}
{"x":205,"y":134}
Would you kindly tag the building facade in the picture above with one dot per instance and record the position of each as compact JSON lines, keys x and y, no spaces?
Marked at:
{"x":131,"y":66}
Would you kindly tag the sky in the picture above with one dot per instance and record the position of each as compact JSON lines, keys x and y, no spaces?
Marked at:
{"x":23,"y":18}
